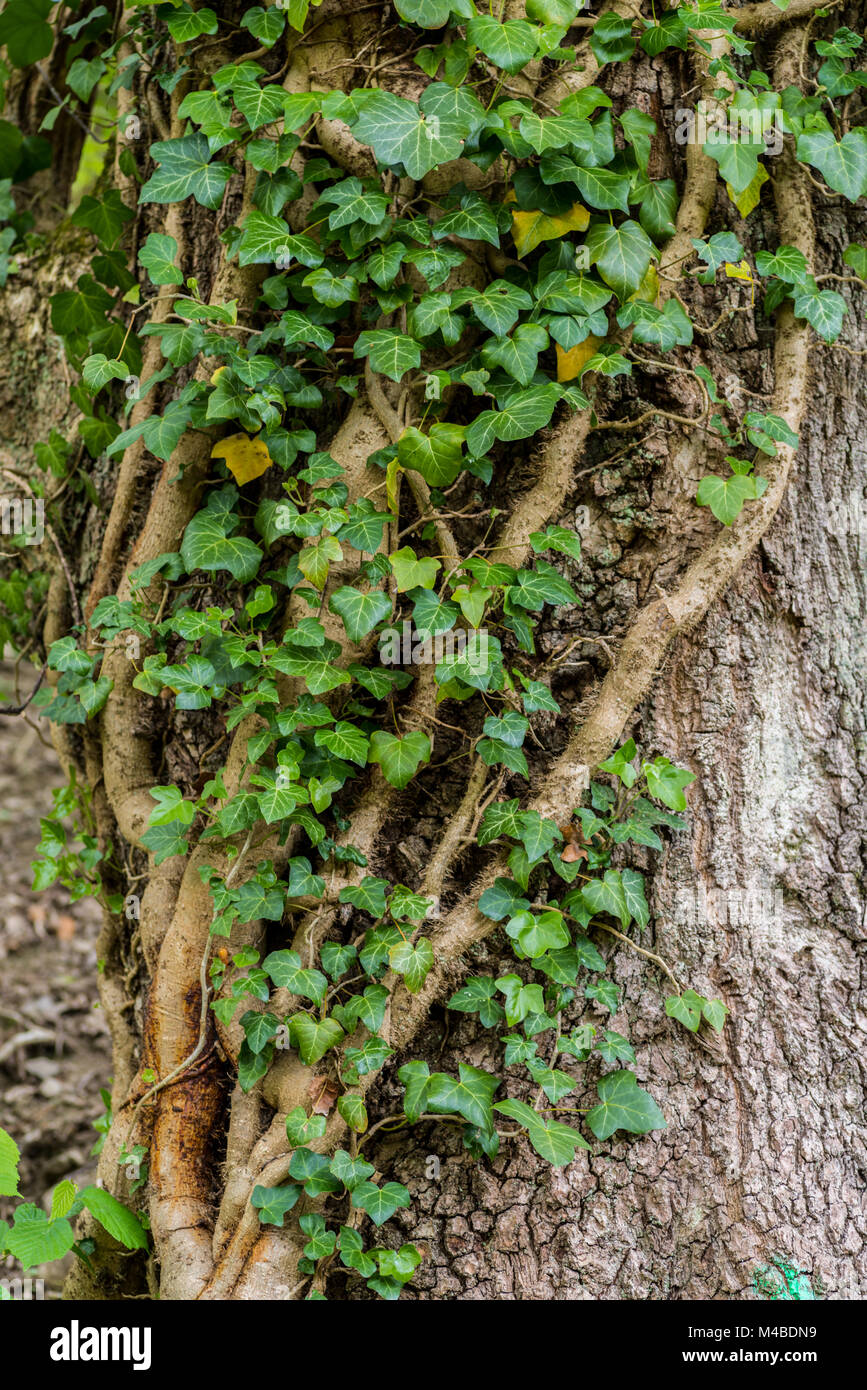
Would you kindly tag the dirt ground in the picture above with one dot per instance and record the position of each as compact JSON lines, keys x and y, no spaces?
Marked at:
{"x":54,"y":1047}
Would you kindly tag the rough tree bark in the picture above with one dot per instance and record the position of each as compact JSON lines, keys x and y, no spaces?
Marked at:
{"x":748,"y":669}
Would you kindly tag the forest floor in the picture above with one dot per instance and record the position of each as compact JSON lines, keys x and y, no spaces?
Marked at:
{"x":55,"y":1051}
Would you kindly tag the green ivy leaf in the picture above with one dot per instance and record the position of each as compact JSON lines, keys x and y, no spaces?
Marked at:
{"x":469,"y":1094}
{"x":313,"y":1037}
{"x":399,"y":758}
{"x":622,"y":255}
{"x":272,"y":1203}
{"x":184,"y":170}
{"x":207,"y":546}
{"x":553,"y":1141}
{"x":360,"y":612}
{"x":412,"y":962}
{"x":380,"y":1203}
{"x":624,"y":1105}
{"x":391,"y":353}
{"x":510,"y":46}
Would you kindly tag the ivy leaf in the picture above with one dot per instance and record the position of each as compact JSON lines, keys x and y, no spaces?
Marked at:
{"x":478,"y":996}
{"x":353,"y":203}
{"x":856,"y":257}
{"x":623,"y":1105}
{"x":353,"y":1110}
{"x":536,"y":935}
{"x":164,"y":841}
{"x":364,"y":529}
{"x":287,"y":972}
{"x":556,"y":538}
{"x":473,"y":219}
{"x":369,"y":895}
{"x":615,"y":1048}
{"x":315,"y":560}
{"x":658,"y":209}
{"x":428,"y":14}
{"x":633,"y":893}
{"x":749,"y":197}
{"x":607,"y":895}
{"x":622,"y":255}
{"x":715,"y":1012}
{"x":521,"y":999}
{"x":412,"y":573}
{"x":117,"y":1219}
{"x":391,"y":353}
{"x":521,"y":415}
{"x":398,"y":133}
{"x":24,"y":31}
{"x":302,"y":881}
{"x":602,"y":188}
{"x":267,"y":240}
{"x":98,"y":370}
{"x":554,"y":1142}
{"x":823,"y":309}
{"x":843,"y":164}
{"x":259,"y":1029}
{"x":245,"y":458}
{"x":412,"y":962}
{"x":498,"y":306}
{"x":503,"y":899}
{"x":501,"y":818}
{"x":726,"y":496}
{"x":788,"y":263}
{"x":470,"y":1094}
{"x":158,"y":258}
{"x":360,"y":612}
{"x":611,"y":39}
{"x":313,"y":1037}
{"x":765,"y":430}
{"x":185,"y":169}
{"x":437,"y":456}
{"x":398,"y":757}
{"x":266,"y":25}
{"x":686,"y":1008}
{"x":350,"y":1171}
{"x":258,"y":105}
{"x":530,"y":228}
{"x":517,"y":354}
{"x":544,"y":584}
{"x":206,"y":546}
{"x":191,"y":24}
{"x":555,"y":1084}
{"x":639,"y":129}
{"x":272,"y":1203}
{"x":738,"y":160}
{"x":666,"y":782}
{"x":380,"y":1203}
{"x":510,"y":46}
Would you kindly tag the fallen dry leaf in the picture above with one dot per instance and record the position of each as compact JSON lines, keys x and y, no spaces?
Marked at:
{"x":323,"y":1093}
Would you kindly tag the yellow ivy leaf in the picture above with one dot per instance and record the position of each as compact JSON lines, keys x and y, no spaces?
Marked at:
{"x":571,"y":361}
{"x":217,"y":374}
{"x":531,"y":228}
{"x":392,"y":484}
{"x":245,"y":458}
{"x":738,"y":272}
{"x":749,"y":198}
{"x":648,"y":290}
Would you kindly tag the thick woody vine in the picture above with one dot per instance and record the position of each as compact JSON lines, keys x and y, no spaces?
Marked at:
{"x":344,"y":310}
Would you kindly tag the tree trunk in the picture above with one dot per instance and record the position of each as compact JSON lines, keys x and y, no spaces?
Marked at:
{"x":736,"y":652}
